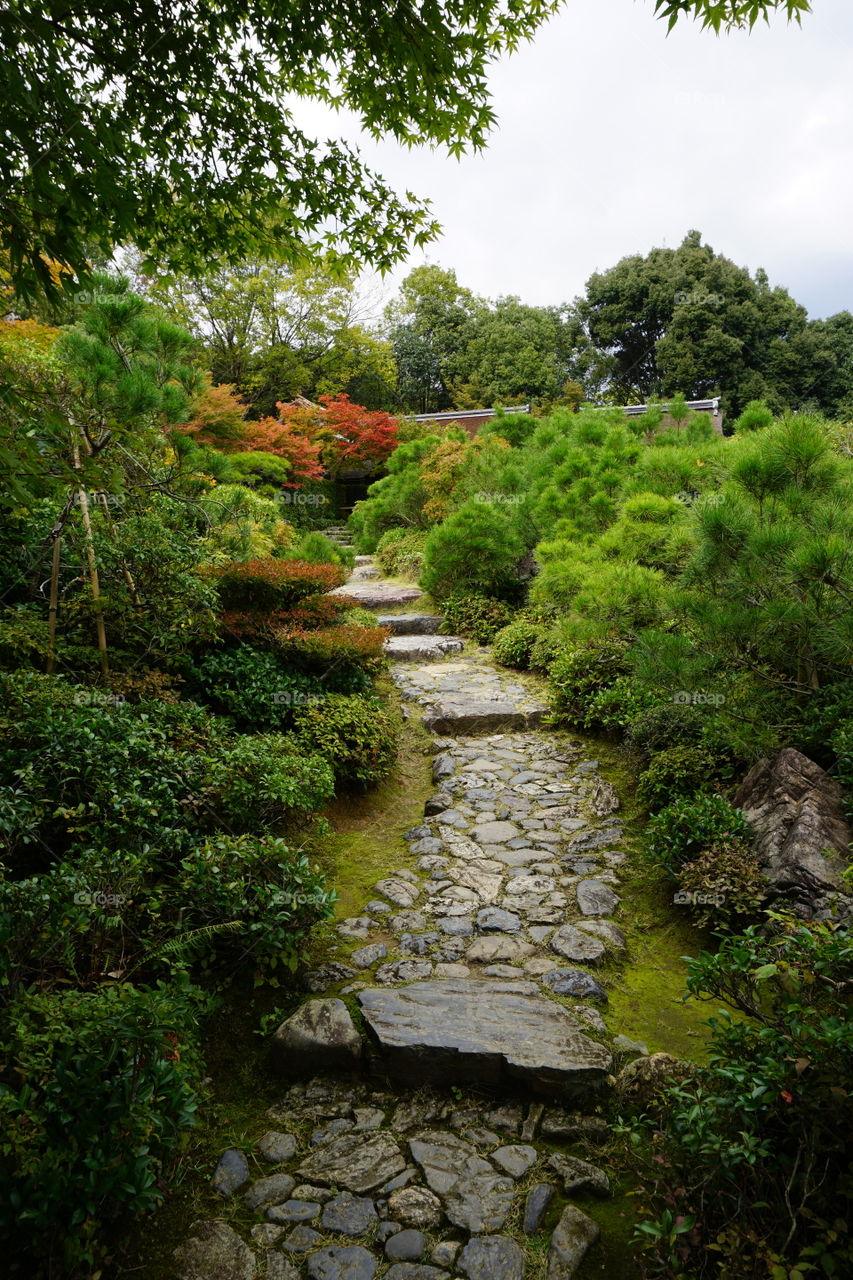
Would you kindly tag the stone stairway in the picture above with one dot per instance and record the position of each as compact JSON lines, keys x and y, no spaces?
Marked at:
{"x":475,"y":970}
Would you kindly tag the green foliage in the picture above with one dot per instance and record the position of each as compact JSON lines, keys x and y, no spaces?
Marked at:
{"x":397,"y":499}
{"x":579,"y":673}
{"x":513,"y":645}
{"x":664,"y":724}
{"x":678,"y":771}
{"x":687,"y":827}
{"x":755,"y":1149}
{"x":476,"y":550}
{"x":315,"y":548}
{"x":400,"y":552}
{"x":725,"y":884}
{"x":274,"y":584}
{"x":97,"y":1092}
{"x":259,"y":780}
{"x":357,"y":737}
{"x":342,"y":657}
{"x":755,"y":417}
{"x":478,"y":617}
{"x":251,"y":685}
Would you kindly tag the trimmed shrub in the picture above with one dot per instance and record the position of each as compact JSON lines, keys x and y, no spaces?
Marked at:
{"x":579,"y":673}
{"x":357,"y":737}
{"x":400,"y":552}
{"x":98,"y":1091}
{"x":251,"y":685}
{"x":685,"y":829}
{"x":274,"y":584}
{"x":344,"y":649}
{"x":478,"y":617}
{"x":259,"y":780}
{"x":725,"y":884}
{"x":476,"y":549}
{"x":513,"y":645}
{"x":680,"y":771}
{"x":316,"y":548}
{"x":665,"y":724}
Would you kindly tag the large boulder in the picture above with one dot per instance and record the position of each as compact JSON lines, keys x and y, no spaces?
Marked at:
{"x":214,"y":1251}
{"x":799,"y":831}
{"x":319,"y":1037}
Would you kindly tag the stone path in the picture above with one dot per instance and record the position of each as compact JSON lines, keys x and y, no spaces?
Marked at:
{"x":477,"y":967}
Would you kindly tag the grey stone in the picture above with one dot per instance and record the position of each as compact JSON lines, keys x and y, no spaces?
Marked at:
{"x":410,"y":624}
{"x":360,"y":1162}
{"x":562,"y":1126}
{"x":266,"y":1234}
{"x":574,"y":945}
{"x":495,"y":920}
{"x":301,"y":1239}
{"x":386,"y":1229}
{"x":416,"y":1207}
{"x":427,"y":847}
{"x":294,"y":1211}
{"x":305,"y":1191}
{"x":368,"y":1118}
{"x":488,"y":1032}
{"x":407,"y":922}
{"x":326,"y":975}
{"x":515,"y":1160}
{"x":342,"y":1262}
{"x":349,"y":1214}
{"x":377,"y":595}
{"x":403,"y":971}
{"x":506,"y":1117}
{"x":413,"y":1271}
{"x":276,"y":1267}
{"x":377,"y":908}
{"x":492,"y":1258}
{"x":418,"y":944}
{"x":461,"y":714}
{"x":474,"y":1196}
{"x":230,"y":1174}
{"x":539,"y":1197}
{"x":402,"y":1180}
{"x":579,"y":1176}
{"x":445,"y":1253}
{"x":456,"y":926}
{"x":406,"y":1246}
{"x":800,"y":832}
{"x":498,"y":948}
{"x":214,"y":1251}
{"x":574,"y":1235}
{"x":276,"y":1148}
{"x":626,"y":1047}
{"x":422,"y":648}
{"x":357,"y":927}
{"x":365,"y":957}
{"x":494,"y":832}
{"x":574,"y":982}
{"x":503,"y":971}
{"x":604,"y":799}
{"x":610,"y":934}
{"x":401,"y":892}
{"x":275,"y":1189}
{"x":318,"y":1037}
{"x":331,"y":1130}
{"x":595,"y":898}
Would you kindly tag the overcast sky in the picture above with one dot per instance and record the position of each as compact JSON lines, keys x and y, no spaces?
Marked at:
{"x":614,"y":137}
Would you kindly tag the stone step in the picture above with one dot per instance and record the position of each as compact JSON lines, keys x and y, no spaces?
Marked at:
{"x":364,"y":560}
{"x":455,"y":715}
{"x":363,"y":573}
{"x":503,"y":1035}
{"x":411,"y":624}
{"x":377,"y":595}
{"x":420,"y":648}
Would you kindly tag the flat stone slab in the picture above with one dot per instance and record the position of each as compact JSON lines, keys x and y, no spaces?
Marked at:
{"x":460,"y":715}
{"x":410,"y":624}
{"x":377,"y":595}
{"x":488,"y":1031}
{"x":422,"y":648}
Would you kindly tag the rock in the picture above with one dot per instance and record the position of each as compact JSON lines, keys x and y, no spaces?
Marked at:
{"x":452,"y":971}
{"x":368,"y":1118}
{"x":609,"y":933}
{"x":331,"y":1130}
{"x":342,"y":1262}
{"x":275,"y":1189}
{"x":800,"y":833}
{"x":626,"y":1047}
{"x":406,"y":1246}
{"x":410,"y":624}
{"x":404,"y":971}
{"x":579,"y":1176}
{"x":377,"y":595}
{"x":560,"y":1126}
{"x":574,"y":982}
{"x":445,"y":1253}
{"x":355,"y":927}
{"x":503,"y":971}
{"x":422,"y":648}
{"x":349,"y":1214}
{"x":294,"y":1211}
{"x":595,"y":899}
{"x":266,"y":1234}
{"x":539,"y":1197}
{"x":515,"y":1160}
{"x":460,"y":714}
{"x":498,"y":948}
{"x":360,"y":1162}
{"x":639,"y":1081}
{"x":492,"y":1258}
{"x":366,"y":957}
{"x":456,"y":926}
{"x":532,"y":1120}
{"x":416,"y":1207}
{"x":231,"y":1173}
{"x":305,"y":1191}
{"x":488,"y":1032}
{"x":318,"y":1037}
{"x":418,"y":944}
{"x":327,"y":974}
{"x":401,"y":892}
{"x":574,"y":945}
{"x":214,"y":1251}
{"x":495,"y":920}
{"x":574,"y":1235}
{"x":276,"y":1148}
{"x":474,"y":1196}
{"x":604,"y":799}
{"x":494,"y":832}
{"x":301,"y":1239}
{"x":276,"y":1267}
{"x":413,"y":1271}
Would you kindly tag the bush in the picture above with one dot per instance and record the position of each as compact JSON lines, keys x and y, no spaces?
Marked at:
{"x":400,"y":552}
{"x":274,"y":584}
{"x":725,"y":884}
{"x":251,"y":685}
{"x":96,"y":1093}
{"x":259,"y":779}
{"x":342,"y":652}
{"x":248,"y":898}
{"x":679,"y":833}
{"x":316,"y":548}
{"x":581,"y":672}
{"x":513,"y":645}
{"x":680,"y":771}
{"x":476,"y":616}
{"x":664,"y":724}
{"x":476,"y":549}
{"x":358,"y":738}
{"x":755,"y":417}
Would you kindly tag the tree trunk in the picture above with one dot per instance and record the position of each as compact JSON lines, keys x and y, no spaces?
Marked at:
{"x":53,"y":608}
{"x":93,"y":569}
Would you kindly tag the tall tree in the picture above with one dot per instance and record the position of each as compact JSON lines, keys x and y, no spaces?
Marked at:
{"x":427,"y":325}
